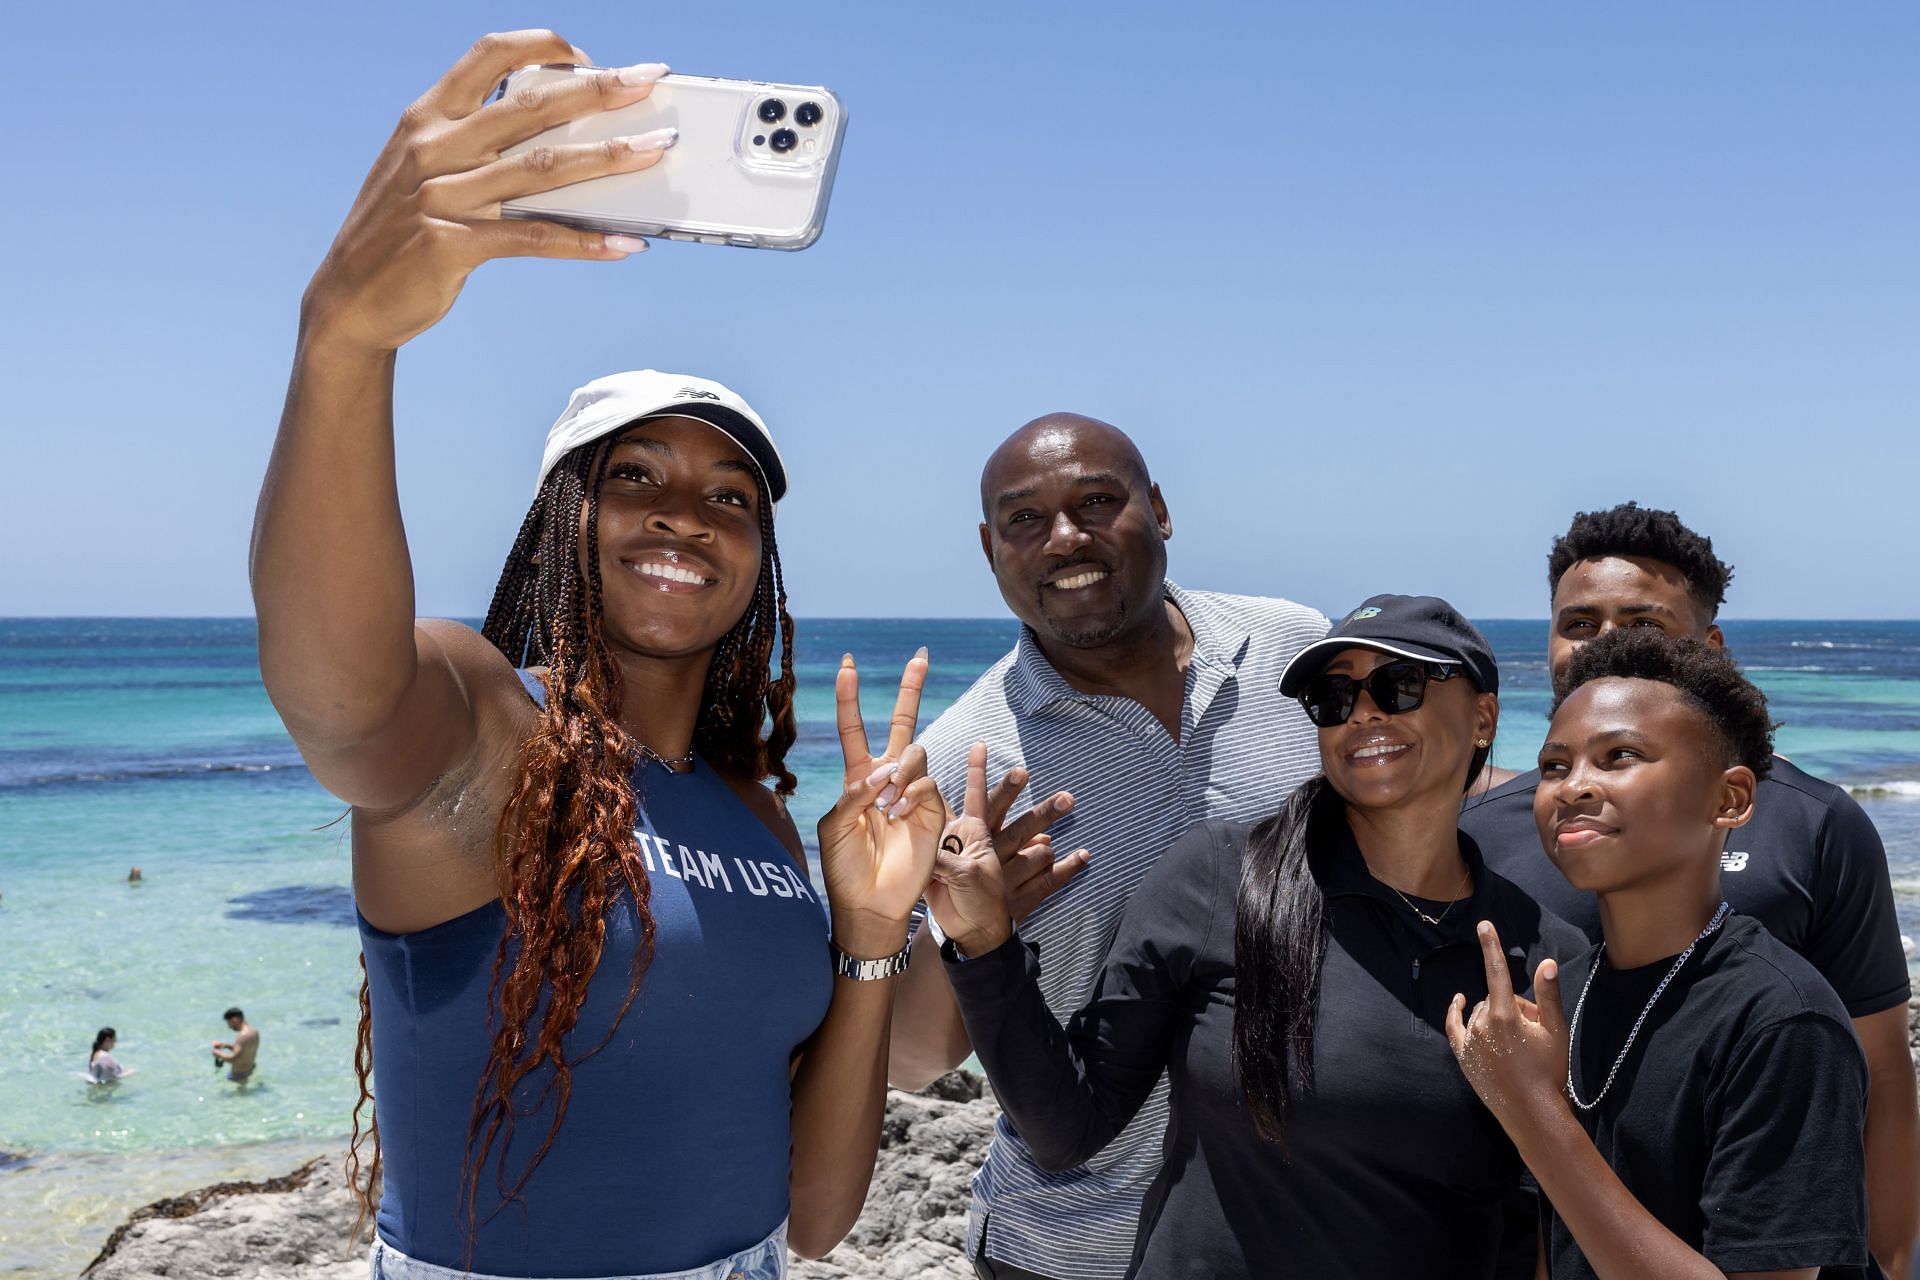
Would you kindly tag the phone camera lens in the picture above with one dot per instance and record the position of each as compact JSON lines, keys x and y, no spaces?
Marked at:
{"x":772,"y":110}
{"x":783,"y":140}
{"x":807,"y":114}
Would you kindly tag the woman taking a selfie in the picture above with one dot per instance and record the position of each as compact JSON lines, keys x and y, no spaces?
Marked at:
{"x":1292,"y":979}
{"x":606,"y":1033}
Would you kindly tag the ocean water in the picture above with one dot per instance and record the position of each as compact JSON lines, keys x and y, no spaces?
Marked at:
{"x":150,"y":743}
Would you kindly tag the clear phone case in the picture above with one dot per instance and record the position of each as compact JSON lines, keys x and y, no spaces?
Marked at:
{"x":753,"y":166}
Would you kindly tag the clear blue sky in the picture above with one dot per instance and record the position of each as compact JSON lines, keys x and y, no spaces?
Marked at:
{"x":1385,"y":292}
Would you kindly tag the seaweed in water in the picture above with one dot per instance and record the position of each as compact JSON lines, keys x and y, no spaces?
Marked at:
{"x":194,"y":1201}
{"x":295,"y":904}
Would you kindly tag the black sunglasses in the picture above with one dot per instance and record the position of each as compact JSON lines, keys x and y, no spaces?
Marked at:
{"x":1394,"y":687}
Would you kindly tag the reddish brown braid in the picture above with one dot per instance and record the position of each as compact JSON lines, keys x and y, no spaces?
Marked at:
{"x":567,"y":851}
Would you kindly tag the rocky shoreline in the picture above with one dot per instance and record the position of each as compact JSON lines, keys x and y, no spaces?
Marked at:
{"x":296,"y":1227}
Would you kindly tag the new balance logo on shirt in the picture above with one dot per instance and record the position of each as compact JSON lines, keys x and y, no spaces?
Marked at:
{"x":1731,"y":861}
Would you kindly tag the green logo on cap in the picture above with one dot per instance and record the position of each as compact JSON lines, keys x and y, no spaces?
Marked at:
{"x":1359,"y":614}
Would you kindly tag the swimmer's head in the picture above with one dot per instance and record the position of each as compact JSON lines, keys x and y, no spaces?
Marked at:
{"x":235,"y":1018}
{"x":103,"y":1039}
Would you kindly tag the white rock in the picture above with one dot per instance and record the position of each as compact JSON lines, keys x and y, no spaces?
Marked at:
{"x":914,"y":1225}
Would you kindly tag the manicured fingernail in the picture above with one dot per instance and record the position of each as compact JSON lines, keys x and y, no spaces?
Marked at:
{"x":642,"y":73}
{"x":1063,"y":804}
{"x":626,"y":244}
{"x":654,"y":140}
{"x":887,"y":796}
{"x":920,"y":654}
{"x":1552,"y":970}
{"x":884,"y":771}
{"x":846,"y":661}
{"x":898,"y":811}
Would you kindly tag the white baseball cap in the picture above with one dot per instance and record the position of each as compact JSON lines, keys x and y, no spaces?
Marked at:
{"x":607,"y":404}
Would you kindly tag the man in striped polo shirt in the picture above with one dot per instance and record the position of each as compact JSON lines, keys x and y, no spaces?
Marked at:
{"x":1138,"y":708}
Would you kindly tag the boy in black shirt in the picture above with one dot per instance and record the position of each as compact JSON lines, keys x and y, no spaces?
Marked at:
{"x":1809,"y":866}
{"x":1700,"y":1114}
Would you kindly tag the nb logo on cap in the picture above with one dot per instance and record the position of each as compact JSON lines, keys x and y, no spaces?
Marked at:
{"x":1359,"y":614}
{"x":695,"y":393}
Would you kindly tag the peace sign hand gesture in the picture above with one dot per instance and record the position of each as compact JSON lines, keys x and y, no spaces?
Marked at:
{"x":877,"y":842}
{"x":1032,"y":871}
{"x":968,"y":895}
{"x":1512,"y":1049}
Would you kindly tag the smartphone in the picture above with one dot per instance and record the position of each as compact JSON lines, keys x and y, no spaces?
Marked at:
{"x":753,"y":166}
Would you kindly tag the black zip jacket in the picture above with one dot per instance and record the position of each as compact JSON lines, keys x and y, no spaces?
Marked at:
{"x":1392,"y":1166}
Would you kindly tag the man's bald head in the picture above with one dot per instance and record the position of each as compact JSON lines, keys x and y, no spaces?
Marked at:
{"x":1075,"y":531}
{"x":1059,"y":443}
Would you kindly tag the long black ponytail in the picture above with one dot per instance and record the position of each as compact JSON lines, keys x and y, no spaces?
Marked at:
{"x":1279,"y":941}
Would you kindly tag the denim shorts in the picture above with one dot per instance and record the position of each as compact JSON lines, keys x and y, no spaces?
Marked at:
{"x":764,"y":1261}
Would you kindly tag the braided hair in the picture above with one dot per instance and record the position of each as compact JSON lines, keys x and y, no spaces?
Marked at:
{"x":565,"y":846}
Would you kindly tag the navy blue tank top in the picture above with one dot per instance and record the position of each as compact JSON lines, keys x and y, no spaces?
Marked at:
{"x":676,"y":1145}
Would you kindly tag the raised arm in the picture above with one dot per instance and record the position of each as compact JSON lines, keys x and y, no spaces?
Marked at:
{"x":876,"y":851}
{"x":378,"y":705}
{"x":1071,"y":1090}
{"x":1790,"y":1191}
{"x":929,"y":1039}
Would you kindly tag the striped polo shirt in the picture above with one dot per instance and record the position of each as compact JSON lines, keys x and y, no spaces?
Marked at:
{"x":1242,"y":748}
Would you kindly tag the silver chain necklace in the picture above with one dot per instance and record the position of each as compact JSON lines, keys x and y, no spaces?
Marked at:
{"x":670,"y":765}
{"x":1574,"y":1030}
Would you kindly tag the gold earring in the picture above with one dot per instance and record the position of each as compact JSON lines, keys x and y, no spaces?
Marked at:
{"x":1483,"y":743}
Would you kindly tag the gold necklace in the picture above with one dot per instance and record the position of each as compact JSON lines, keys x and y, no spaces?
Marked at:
{"x":1433,"y":920}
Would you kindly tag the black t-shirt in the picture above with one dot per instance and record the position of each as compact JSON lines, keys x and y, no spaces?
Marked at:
{"x":1736,"y":1118}
{"x":1809,"y":866}
{"x":1393,"y":1167}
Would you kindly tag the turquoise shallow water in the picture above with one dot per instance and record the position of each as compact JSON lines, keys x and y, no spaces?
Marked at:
{"x":151,"y":743}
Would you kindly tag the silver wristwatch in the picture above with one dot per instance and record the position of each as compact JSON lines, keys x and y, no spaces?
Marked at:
{"x":845,"y":966}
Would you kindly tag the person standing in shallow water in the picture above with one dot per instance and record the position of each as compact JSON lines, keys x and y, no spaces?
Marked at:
{"x":607,"y":1032}
{"x":241,"y":1054}
{"x":102,"y":1066}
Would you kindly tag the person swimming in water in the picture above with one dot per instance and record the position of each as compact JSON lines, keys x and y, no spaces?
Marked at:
{"x":102,"y":1067}
{"x":240,"y":1054}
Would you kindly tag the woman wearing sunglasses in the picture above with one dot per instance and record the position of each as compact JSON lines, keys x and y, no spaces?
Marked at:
{"x":1293,"y":979}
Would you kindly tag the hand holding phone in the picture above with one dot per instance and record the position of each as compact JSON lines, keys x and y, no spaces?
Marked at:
{"x":752,"y":164}
{"x":430,"y":210}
